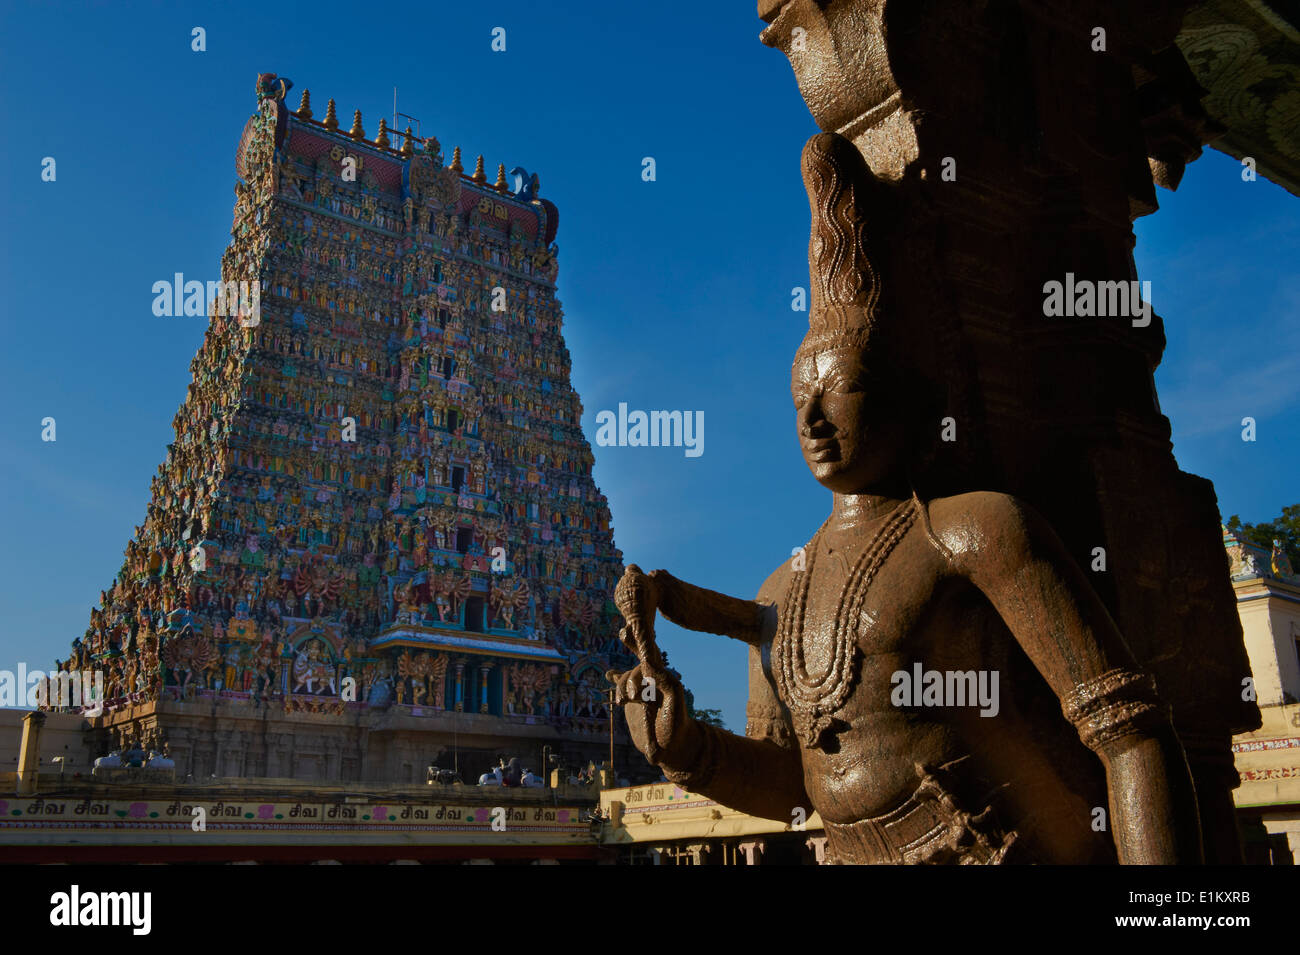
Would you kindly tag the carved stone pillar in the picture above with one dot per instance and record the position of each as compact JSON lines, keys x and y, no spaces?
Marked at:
{"x":204,"y":763}
{"x":29,"y":754}
{"x":818,"y":846}
{"x":273,"y":768}
{"x":697,"y":851}
{"x":1293,"y":843}
{"x":332,"y":758}
{"x":234,"y":755}
{"x":181,"y":750}
{"x":460,"y":685}
{"x":219,"y":741}
{"x":1016,"y":142}
{"x":483,"y":671}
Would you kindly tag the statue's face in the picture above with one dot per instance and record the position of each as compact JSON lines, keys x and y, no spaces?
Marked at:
{"x":850,"y":427}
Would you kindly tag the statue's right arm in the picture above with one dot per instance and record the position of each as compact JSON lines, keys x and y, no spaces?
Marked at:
{"x":760,"y":773}
{"x":697,"y":608}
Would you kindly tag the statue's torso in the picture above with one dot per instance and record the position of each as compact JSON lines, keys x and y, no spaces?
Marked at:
{"x":915,"y":611}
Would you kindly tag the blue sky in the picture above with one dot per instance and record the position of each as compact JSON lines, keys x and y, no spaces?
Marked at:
{"x":676,"y":292}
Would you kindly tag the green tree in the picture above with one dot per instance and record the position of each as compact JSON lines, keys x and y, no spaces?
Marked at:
{"x":1285,"y":528}
{"x":711,"y":717}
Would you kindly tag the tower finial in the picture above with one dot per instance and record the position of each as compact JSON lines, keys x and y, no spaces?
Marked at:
{"x":456,"y":166}
{"x":356,"y":132}
{"x":479,"y":176}
{"x":408,"y":150}
{"x":381,"y":140}
{"x":500,"y":184}
{"x":331,"y":119}
{"x":304,"y":108}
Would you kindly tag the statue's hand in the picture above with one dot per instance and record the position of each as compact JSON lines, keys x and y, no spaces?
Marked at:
{"x":654,"y":703}
{"x":652,"y":697}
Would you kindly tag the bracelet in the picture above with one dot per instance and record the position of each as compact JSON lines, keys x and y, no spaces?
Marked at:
{"x":1115,"y":704}
{"x":704,"y":765}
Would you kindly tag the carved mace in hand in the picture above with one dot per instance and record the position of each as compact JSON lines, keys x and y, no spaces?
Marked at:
{"x":637,"y":600}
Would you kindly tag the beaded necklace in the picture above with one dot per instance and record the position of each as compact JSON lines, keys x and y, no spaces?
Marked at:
{"x":813,"y":702}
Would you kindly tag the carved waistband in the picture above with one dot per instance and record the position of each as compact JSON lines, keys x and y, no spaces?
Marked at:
{"x":929,"y":827}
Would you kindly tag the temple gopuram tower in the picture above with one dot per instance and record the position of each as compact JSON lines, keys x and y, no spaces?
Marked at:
{"x":376,"y":537}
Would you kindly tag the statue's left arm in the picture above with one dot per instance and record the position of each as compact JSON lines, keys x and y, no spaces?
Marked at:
{"x":1013,"y":556}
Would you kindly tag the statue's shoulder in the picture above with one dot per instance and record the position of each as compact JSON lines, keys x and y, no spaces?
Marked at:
{"x":981,"y":521}
{"x":777,"y":584}
{"x":971,"y":507}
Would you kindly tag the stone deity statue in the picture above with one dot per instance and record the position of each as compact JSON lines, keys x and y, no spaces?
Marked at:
{"x":935,"y":677}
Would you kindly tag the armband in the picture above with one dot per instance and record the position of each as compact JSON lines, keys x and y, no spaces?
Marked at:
{"x":1115,"y":704}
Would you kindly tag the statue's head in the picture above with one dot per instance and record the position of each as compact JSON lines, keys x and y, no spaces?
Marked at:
{"x":849,"y":396}
{"x":850,"y":428}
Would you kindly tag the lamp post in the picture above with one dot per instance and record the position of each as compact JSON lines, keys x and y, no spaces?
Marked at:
{"x":610,"y":693}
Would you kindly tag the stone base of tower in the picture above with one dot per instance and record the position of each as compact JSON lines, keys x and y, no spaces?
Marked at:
{"x":208,"y":738}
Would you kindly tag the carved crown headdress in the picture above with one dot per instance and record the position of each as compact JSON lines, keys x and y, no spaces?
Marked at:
{"x":845,"y":309}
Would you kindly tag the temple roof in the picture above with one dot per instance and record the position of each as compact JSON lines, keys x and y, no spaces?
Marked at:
{"x":1246,"y":53}
{"x":483,"y":644}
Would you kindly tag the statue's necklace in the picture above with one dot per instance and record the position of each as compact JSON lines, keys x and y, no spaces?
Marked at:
{"x":813,"y":702}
